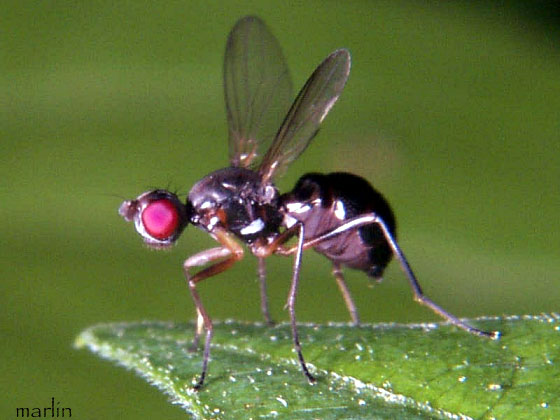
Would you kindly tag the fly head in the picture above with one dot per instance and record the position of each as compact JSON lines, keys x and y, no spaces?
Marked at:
{"x":159,"y":217}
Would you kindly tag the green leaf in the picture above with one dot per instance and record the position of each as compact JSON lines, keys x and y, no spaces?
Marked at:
{"x":382,"y":371}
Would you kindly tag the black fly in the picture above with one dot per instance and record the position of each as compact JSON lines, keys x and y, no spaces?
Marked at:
{"x":339,"y":214}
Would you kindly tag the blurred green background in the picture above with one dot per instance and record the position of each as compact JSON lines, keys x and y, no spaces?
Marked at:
{"x":451,"y":111}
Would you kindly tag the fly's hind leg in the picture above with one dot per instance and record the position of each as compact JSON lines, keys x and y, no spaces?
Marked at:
{"x":419,"y":295}
{"x":372,"y":218}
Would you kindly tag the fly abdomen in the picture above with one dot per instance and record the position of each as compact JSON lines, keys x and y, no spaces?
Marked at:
{"x":323,"y":202}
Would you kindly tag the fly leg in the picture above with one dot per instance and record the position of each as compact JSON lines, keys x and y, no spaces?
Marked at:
{"x":350,"y":305}
{"x":276,"y":247}
{"x":292,"y":303}
{"x":198,"y":260}
{"x":336,"y":270}
{"x":232,"y":252}
{"x":419,"y":294}
{"x":264,"y":296}
{"x":372,"y":218}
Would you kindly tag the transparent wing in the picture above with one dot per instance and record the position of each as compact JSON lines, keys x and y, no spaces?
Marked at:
{"x":311,"y":106}
{"x":258,"y":90}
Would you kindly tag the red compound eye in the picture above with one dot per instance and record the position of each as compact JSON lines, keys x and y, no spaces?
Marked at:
{"x":160,"y":219}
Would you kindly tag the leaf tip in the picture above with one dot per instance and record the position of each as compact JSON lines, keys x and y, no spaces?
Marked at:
{"x":84,"y":339}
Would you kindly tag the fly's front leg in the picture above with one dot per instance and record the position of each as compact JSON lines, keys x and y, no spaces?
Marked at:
{"x":198,"y":260}
{"x":232,"y":252}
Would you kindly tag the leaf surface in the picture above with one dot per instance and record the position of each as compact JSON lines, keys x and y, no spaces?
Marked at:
{"x":381,"y":371}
